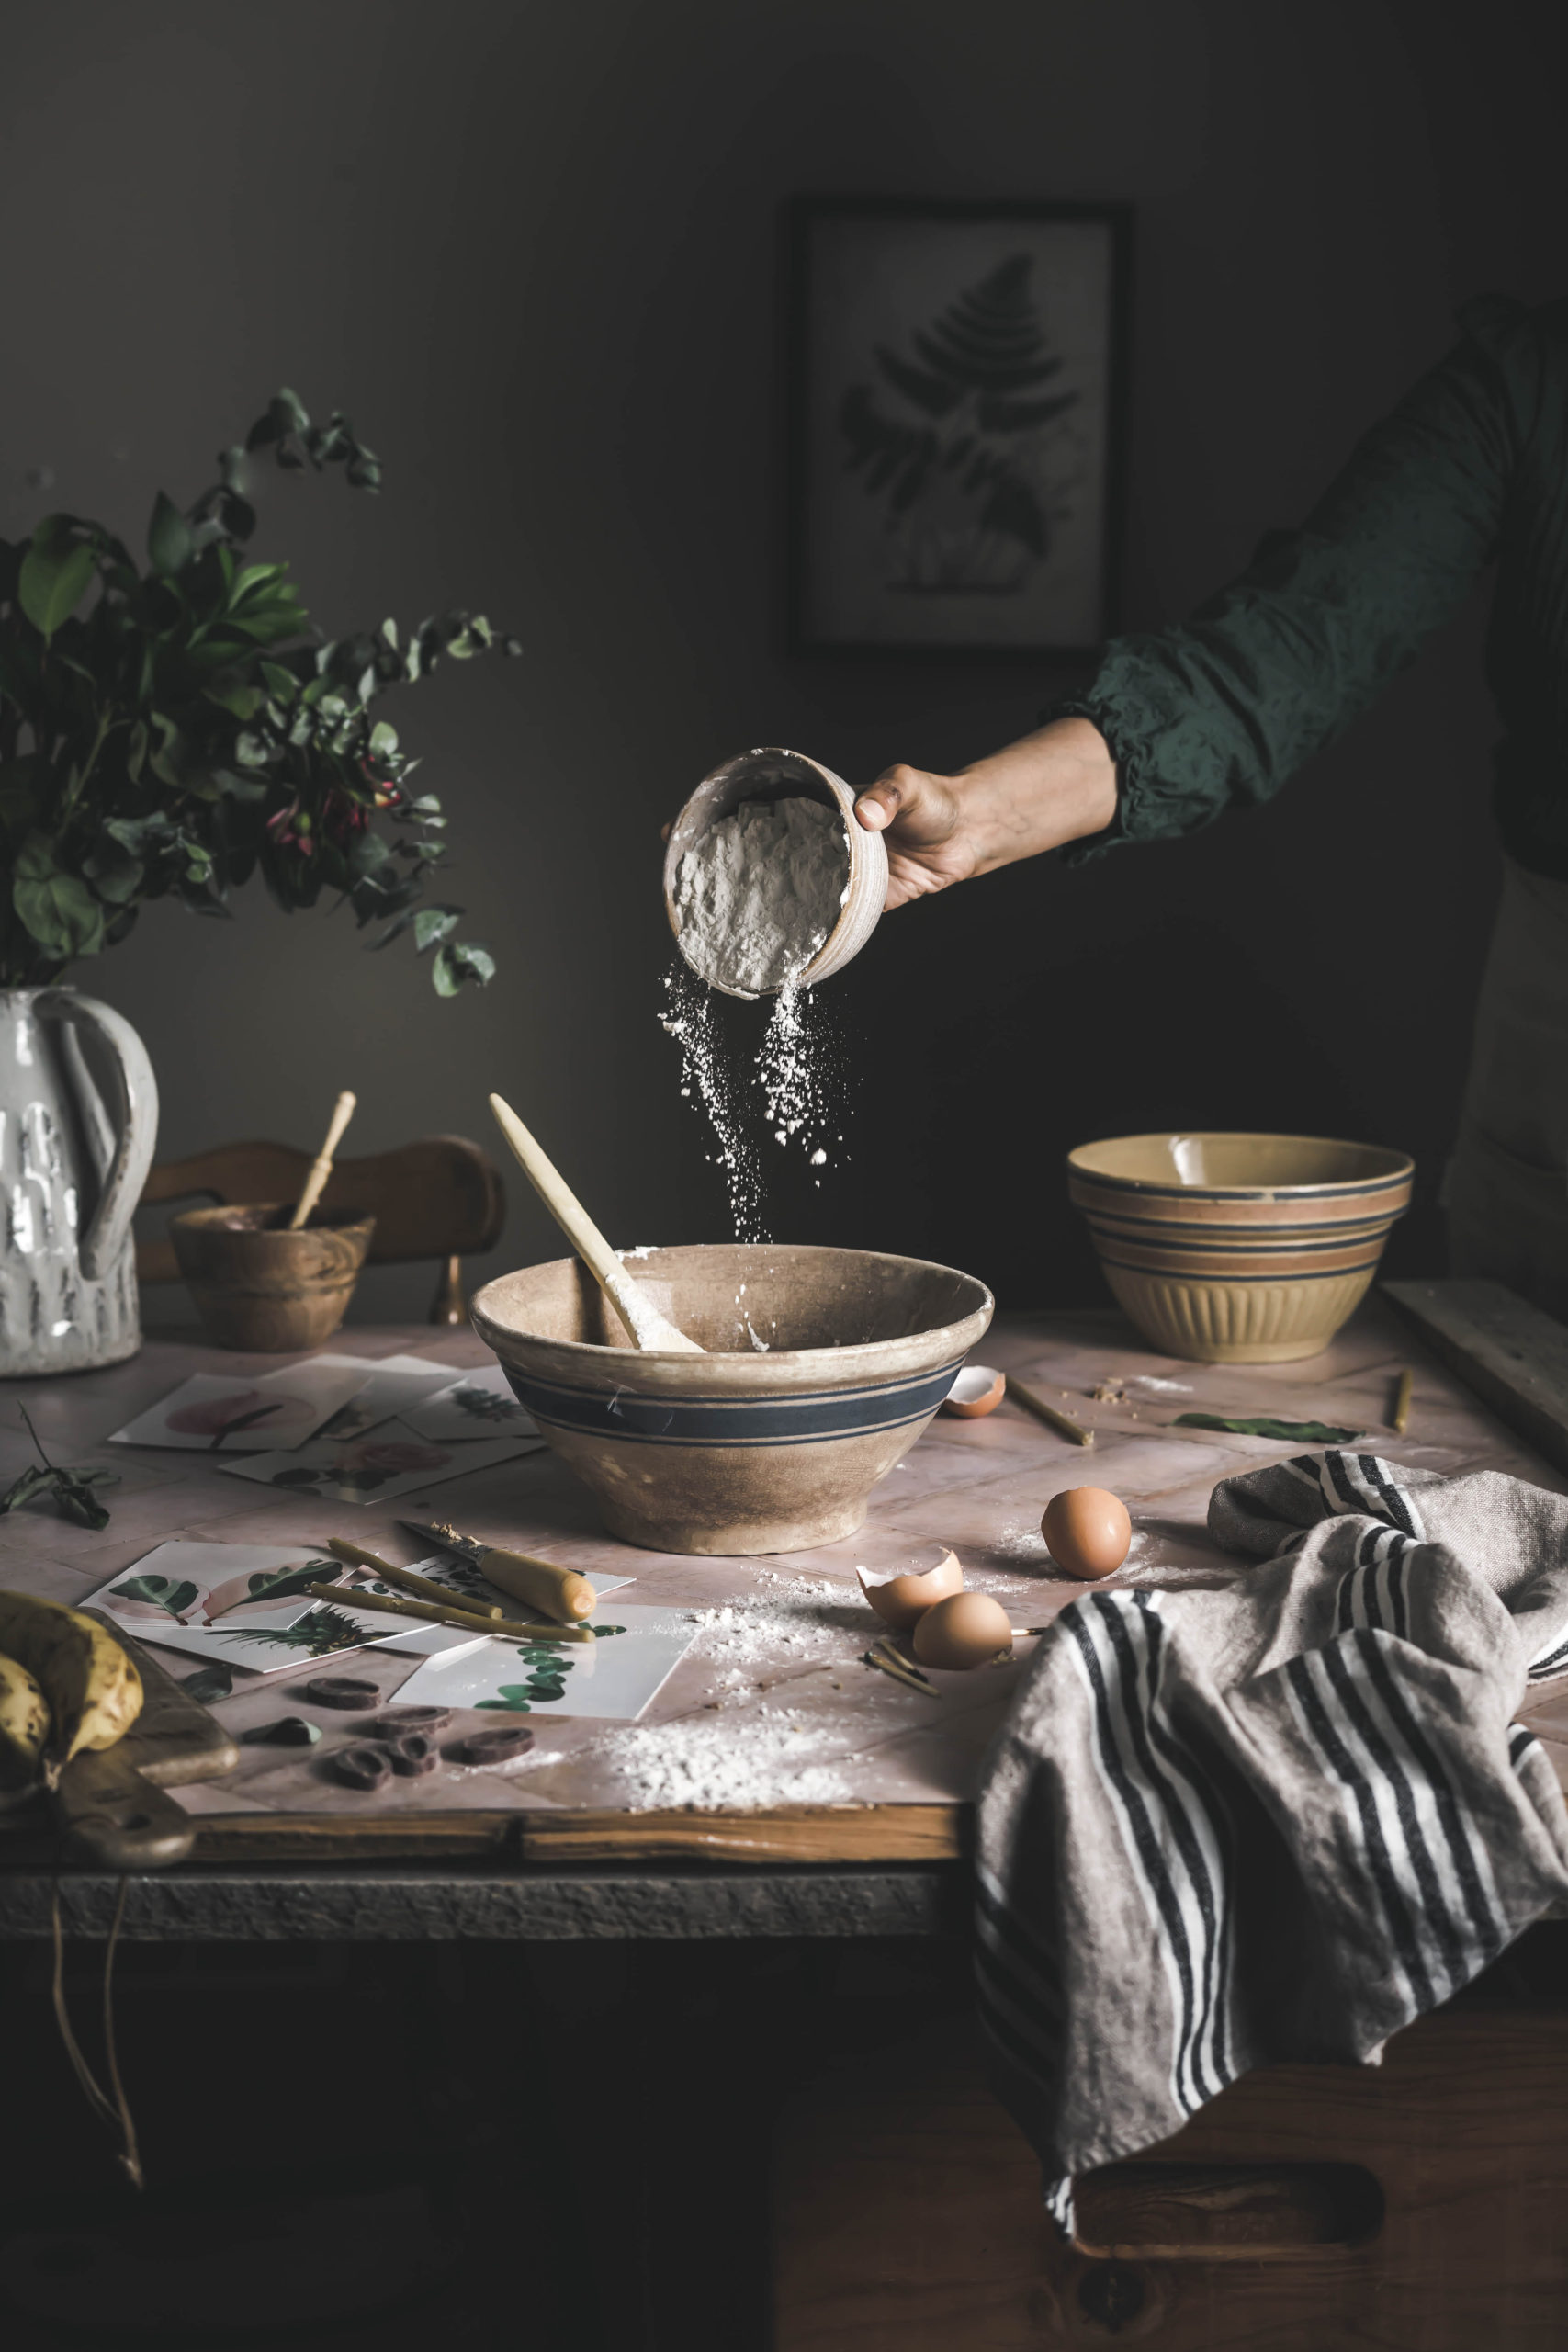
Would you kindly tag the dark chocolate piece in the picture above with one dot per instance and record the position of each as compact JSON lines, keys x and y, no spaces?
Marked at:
{"x":496,"y":1744}
{"x":360,"y":1767}
{"x":398,"y":1723}
{"x":343,"y":1691}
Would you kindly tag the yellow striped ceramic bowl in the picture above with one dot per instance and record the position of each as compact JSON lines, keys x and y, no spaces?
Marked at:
{"x":1238,"y":1249}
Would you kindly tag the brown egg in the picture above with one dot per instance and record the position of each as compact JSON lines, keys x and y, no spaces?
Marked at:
{"x":978,"y":1389}
{"x":1088,"y":1532}
{"x":967,"y":1630}
{"x":900,"y":1602}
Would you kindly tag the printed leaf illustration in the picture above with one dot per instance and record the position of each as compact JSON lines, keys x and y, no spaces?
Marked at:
{"x":325,"y":1629}
{"x":482,"y":1405}
{"x":159,"y":1592}
{"x":276,"y":1584}
{"x":969,"y":499}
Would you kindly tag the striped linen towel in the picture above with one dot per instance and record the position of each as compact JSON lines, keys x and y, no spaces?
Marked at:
{"x":1227,"y":1828}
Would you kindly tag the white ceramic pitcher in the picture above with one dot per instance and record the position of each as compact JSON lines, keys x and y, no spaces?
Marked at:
{"x":70,"y":1174}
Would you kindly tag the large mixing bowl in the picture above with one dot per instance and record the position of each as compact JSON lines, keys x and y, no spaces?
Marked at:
{"x":823,"y":1367}
{"x":1239,"y":1249}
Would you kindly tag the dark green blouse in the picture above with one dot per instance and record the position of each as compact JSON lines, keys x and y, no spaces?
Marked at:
{"x":1471,"y":469}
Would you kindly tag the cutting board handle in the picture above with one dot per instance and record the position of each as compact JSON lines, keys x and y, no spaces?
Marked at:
{"x":108,"y":1814}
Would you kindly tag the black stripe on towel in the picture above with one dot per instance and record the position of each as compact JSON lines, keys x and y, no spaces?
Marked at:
{"x":1346,"y":1770}
{"x":1387,"y":1761}
{"x":1137,"y":1815}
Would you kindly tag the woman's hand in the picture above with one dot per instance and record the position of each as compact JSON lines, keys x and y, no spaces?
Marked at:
{"x":1057,"y":785}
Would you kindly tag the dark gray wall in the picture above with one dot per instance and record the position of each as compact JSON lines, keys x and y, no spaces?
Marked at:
{"x":532,"y":250}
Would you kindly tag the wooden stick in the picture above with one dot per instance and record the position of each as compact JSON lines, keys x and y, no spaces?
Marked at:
{"x":897,"y":1674}
{"x":886,"y":1647}
{"x":322,"y":1166}
{"x":356,"y":1556}
{"x":1401,"y":1414}
{"x":636,"y":1310}
{"x":1034,"y":1404}
{"x":348,"y":1596}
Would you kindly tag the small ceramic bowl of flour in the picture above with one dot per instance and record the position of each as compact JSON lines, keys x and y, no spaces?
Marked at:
{"x":768,"y":880}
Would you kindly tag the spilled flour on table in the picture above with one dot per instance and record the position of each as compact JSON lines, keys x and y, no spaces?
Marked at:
{"x":738,"y":1754}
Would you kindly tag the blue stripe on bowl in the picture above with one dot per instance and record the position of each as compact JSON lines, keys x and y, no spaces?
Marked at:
{"x":1286,"y":1193}
{"x":1163,"y":1243}
{"x":1291,"y":1275}
{"x":1350,"y":1228}
{"x":802,"y":1420}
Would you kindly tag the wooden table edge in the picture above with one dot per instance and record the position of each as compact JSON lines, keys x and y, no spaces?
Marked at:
{"x":843,"y":1833}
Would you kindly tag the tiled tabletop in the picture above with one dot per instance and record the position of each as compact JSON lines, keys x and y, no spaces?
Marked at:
{"x":776,"y":1696}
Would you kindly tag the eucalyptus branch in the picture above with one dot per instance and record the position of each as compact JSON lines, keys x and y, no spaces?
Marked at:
{"x":188,"y":711}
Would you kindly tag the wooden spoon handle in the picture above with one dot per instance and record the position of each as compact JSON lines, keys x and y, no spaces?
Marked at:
{"x":322,"y":1166}
{"x":647,"y":1327}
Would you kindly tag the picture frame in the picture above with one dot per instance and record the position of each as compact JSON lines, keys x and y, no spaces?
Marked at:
{"x":957,"y":424}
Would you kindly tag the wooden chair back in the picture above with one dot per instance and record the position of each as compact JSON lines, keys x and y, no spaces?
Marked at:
{"x":440,"y":1196}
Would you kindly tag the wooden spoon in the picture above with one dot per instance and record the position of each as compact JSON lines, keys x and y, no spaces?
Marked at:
{"x":636,"y":1310}
{"x":322,"y":1166}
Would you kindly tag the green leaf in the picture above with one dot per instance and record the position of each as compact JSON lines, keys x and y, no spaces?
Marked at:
{"x":1287,"y":1432}
{"x":56,"y":909}
{"x":54,"y":578}
{"x":431,"y":924}
{"x":24,"y":785}
{"x":165,"y":762}
{"x":458,"y":962}
{"x":383,"y":737}
{"x":244,"y":702}
{"x":169,"y":542}
{"x":114,"y":873}
{"x":71,"y":1489}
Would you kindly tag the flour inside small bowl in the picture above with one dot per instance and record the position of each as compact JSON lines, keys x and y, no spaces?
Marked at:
{"x":759,"y":894}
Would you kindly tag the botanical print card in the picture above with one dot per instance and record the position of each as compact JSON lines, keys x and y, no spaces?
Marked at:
{"x":395,"y":1384}
{"x":615,"y":1677}
{"x":211,"y":1412}
{"x":324,"y":1631}
{"x":390,"y":1461}
{"x":198,"y":1585}
{"x":480,"y":1405}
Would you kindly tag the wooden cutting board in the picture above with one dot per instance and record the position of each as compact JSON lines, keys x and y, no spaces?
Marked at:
{"x":110,"y":1809}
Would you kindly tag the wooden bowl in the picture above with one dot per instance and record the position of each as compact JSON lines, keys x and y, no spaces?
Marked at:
{"x":773,"y":774}
{"x":1239,"y":1249}
{"x":738,"y":1450}
{"x":259,"y":1287}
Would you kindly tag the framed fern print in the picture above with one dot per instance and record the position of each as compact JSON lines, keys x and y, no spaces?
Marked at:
{"x":958,"y":424}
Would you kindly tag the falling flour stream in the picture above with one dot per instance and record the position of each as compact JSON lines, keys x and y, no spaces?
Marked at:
{"x":757,"y":897}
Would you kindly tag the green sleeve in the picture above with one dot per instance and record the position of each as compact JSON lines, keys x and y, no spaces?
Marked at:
{"x":1226,"y":708}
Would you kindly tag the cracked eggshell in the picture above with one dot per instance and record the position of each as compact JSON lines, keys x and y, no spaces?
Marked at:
{"x":978,"y":1389}
{"x":902,"y":1600}
{"x":968,"y":1630}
